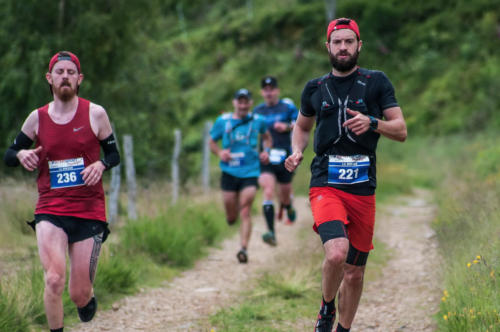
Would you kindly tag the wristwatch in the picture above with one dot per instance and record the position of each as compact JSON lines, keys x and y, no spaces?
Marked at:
{"x":373,"y":123}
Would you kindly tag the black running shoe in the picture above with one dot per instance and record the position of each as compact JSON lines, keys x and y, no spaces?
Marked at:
{"x":325,"y":322}
{"x":87,"y":313}
{"x":242,"y":256}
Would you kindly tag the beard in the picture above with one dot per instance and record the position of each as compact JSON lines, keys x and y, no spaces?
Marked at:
{"x":64,"y":94}
{"x":344,"y":65}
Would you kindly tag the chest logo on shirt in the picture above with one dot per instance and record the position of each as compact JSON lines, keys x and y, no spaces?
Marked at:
{"x":239,"y":136}
{"x":76,"y":129}
{"x":364,"y":84}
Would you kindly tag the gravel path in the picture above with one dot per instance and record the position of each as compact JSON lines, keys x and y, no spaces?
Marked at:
{"x":407,"y":294}
{"x":403,"y":298}
{"x":197,"y":293}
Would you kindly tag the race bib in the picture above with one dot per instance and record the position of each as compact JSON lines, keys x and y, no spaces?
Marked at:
{"x":237,"y":159}
{"x":66,"y":173}
{"x":348,"y":170}
{"x":277,"y":156}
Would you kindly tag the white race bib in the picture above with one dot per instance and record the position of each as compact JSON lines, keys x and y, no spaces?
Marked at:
{"x":237,"y":159}
{"x":66,"y":173}
{"x":277,"y":156}
{"x":348,"y":169}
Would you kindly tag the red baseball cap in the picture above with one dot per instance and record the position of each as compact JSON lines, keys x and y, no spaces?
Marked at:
{"x":64,"y":56}
{"x":342,"y":23}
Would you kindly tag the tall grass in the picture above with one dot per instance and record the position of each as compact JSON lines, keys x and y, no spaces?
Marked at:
{"x":138,"y":253}
{"x":179,"y":235}
{"x":464,"y":172}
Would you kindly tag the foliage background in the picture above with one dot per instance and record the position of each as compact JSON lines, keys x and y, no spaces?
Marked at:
{"x":442,"y":57}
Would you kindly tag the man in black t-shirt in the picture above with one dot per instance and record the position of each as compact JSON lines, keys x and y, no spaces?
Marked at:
{"x":348,"y":105}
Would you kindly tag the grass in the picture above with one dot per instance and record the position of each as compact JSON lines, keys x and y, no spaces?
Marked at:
{"x":145,"y":253}
{"x":464,"y":173}
{"x":287,"y":297}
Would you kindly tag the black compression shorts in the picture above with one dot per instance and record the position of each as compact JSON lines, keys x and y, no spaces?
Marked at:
{"x":77,"y":229}
{"x":233,"y":183}
{"x":283,"y":176}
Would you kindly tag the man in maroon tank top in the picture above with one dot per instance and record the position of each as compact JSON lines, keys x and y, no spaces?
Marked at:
{"x":70,"y":213}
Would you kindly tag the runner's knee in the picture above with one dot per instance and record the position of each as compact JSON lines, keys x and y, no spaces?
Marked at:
{"x":55,"y":283}
{"x":81,"y":297}
{"x":356,"y":257}
{"x":245,"y":210}
{"x":354,"y":276}
{"x":335,"y":257}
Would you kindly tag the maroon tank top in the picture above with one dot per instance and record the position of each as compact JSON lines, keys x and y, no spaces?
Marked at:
{"x":66,"y":150}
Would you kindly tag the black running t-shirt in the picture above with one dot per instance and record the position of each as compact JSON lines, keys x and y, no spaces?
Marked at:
{"x":379,"y":96}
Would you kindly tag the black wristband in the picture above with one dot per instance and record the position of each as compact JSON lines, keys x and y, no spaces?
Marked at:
{"x":111,"y":154}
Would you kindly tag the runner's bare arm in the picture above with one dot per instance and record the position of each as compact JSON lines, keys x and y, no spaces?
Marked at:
{"x":99,"y":122}
{"x":222,"y":154}
{"x":101,"y":127}
{"x":28,"y":157}
{"x":267,"y":143}
{"x":394,"y":126}
{"x":300,"y":139}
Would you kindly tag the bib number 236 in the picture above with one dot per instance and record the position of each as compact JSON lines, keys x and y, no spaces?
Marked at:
{"x":66,"y":173}
{"x":348,"y":169}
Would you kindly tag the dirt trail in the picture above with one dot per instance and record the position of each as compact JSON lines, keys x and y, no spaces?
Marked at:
{"x":199,"y":292}
{"x":403,"y":298}
{"x":407,"y":294}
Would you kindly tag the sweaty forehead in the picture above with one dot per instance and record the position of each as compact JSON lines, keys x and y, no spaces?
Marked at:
{"x":343,"y":34}
{"x":65,"y":64}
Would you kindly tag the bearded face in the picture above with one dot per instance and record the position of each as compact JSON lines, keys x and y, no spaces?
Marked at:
{"x":343,"y":61}
{"x":64,"y":80}
{"x":64,"y":91}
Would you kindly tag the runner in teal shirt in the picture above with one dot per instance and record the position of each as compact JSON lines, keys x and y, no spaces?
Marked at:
{"x":240,"y":161}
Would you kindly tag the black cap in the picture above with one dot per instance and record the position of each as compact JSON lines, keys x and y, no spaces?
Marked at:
{"x":269,"y":80}
{"x":242,"y":93}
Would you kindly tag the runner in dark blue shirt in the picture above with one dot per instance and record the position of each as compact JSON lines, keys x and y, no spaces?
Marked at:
{"x":280,"y":118}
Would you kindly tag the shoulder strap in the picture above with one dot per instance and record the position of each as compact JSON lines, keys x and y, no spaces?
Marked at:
{"x":244,"y":122}
{"x":357,"y":93}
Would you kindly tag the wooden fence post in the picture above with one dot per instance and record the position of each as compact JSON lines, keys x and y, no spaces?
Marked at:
{"x":114,"y":191}
{"x":182,"y":20}
{"x":205,"y":168}
{"x":175,"y":166}
{"x":330,"y":8}
{"x":250,"y":10}
{"x":131,"y":184}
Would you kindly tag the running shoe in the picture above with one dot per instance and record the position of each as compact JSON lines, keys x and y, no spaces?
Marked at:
{"x":242,"y":256}
{"x":87,"y":313}
{"x":269,"y":238}
{"x":325,"y":322}
{"x":292,"y":215}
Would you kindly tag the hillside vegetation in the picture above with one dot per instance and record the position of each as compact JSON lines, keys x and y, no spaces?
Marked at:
{"x":152,"y":77}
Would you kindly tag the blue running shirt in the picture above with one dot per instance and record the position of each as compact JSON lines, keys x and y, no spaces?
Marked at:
{"x":281,"y":112}
{"x":242,"y":141}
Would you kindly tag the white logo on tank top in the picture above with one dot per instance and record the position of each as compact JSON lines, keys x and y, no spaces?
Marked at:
{"x":76,"y":129}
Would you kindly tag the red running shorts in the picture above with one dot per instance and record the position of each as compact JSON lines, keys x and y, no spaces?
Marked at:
{"x":355,"y":211}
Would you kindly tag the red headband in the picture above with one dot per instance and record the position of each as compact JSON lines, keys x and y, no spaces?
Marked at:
{"x":342,"y":23}
{"x":60,"y":57}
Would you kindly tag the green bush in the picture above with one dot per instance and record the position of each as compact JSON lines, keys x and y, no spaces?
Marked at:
{"x":116,"y":274}
{"x":179,"y":235}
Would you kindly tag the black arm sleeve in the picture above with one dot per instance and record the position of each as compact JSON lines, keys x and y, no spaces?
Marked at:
{"x":111,"y":155}
{"x":22,"y":142}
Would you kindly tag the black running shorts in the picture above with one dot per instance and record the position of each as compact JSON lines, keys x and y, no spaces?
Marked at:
{"x":283,"y":176}
{"x":232,"y":183}
{"x":77,"y":229}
